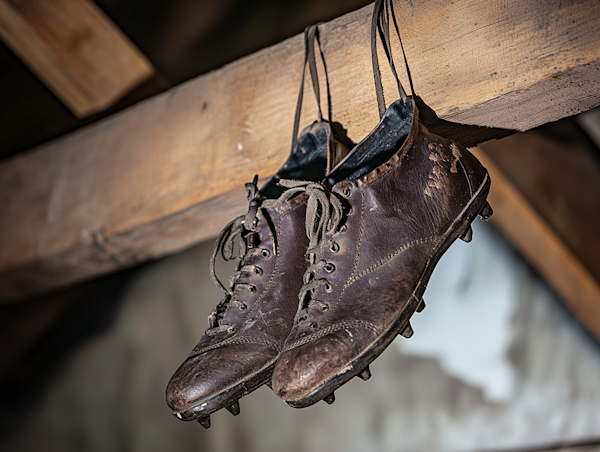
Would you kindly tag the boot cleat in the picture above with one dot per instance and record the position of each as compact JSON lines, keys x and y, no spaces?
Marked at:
{"x":407,"y":332}
{"x":486,"y":212}
{"x":467,"y":235}
{"x":234,"y":408}
{"x":204,"y":421}
{"x":365,"y":374}
{"x":330,"y":399}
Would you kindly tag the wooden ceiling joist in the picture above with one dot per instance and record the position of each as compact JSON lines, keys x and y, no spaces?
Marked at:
{"x":85,"y":60}
{"x":169,"y":172}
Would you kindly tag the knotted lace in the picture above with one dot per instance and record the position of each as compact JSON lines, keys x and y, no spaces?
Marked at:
{"x":324,"y":214}
{"x":244,"y":230}
{"x":320,"y":206}
{"x":238,"y":229}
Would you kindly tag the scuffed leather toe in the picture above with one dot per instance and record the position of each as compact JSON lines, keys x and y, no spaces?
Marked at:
{"x":206,"y":376}
{"x":302,"y":370}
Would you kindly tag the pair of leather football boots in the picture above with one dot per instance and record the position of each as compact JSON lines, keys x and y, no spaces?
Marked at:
{"x":335,"y":253}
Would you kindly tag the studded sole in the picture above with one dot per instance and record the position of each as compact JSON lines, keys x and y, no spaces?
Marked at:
{"x":458,"y":228}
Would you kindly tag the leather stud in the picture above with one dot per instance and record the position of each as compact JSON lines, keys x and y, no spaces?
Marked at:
{"x":365,"y":374}
{"x":204,"y":421}
{"x":421,"y":305}
{"x":330,"y":398}
{"x":486,"y":212}
{"x":234,"y":408}
{"x":407,"y":331}
{"x":467,"y":235}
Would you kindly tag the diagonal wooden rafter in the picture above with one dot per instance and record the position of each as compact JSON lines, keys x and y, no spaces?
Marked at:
{"x":545,"y":200}
{"x":75,"y":50}
{"x":169,"y":172}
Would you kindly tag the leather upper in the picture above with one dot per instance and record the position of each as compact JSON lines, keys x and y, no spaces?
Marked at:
{"x":395,"y":219}
{"x":254,"y":336}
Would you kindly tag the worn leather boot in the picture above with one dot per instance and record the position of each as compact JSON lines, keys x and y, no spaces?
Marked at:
{"x":387,"y":214}
{"x":249,"y":326}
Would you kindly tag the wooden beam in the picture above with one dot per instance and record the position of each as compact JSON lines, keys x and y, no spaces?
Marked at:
{"x":75,"y":50}
{"x":169,"y":172}
{"x":551,"y":214}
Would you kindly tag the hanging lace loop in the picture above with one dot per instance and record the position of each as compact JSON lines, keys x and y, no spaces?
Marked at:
{"x":311,"y":35}
{"x":380,"y":26}
{"x":236,"y":229}
{"x":323,"y":208}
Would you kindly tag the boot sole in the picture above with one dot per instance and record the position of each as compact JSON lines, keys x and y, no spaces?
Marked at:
{"x":460,"y":225}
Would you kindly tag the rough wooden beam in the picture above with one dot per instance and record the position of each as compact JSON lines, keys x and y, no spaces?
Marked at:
{"x":152,"y":180}
{"x":75,"y":50}
{"x":553,"y":222}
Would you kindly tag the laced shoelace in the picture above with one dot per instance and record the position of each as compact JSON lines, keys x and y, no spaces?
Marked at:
{"x":244,"y":230}
{"x":324,"y":214}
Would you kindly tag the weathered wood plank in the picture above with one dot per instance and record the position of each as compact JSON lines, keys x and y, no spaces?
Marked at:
{"x":75,"y":50}
{"x":542,"y":245}
{"x":115,"y":185}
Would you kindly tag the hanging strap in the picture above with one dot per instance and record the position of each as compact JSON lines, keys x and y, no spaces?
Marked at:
{"x":311,"y":34}
{"x":380,"y":24}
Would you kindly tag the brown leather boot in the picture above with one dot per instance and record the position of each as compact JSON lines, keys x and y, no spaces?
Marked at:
{"x":390,"y":210}
{"x":249,"y":326}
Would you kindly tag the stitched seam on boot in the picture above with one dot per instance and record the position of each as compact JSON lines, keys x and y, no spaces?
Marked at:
{"x":332,"y":329}
{"x":238,"y":340}
{"x":467,"y":177}
{"x":360,"y":239}
{"x":387,"y":258}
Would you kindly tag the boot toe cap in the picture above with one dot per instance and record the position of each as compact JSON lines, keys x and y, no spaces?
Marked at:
{"x":208,"y":375}
{"x":302,"y":370}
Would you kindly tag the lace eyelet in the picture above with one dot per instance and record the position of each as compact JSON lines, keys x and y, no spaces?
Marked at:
{"x":324,"y":307}
{"x":329,"y":267}
{"x":334,"y":247}
{"x":328,"y":288}
{"x":265,"y":253}
{"x":314,"y":326}
{"x":231,"y":329}
{"x":258,"y":271}
{"x":252,"y":289}
{"x":346,"y":192}
{"x":243,"y":307}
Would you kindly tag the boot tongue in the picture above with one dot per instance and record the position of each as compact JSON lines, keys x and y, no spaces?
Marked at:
{"x":307,"y":160}
{"x":336,"y":152}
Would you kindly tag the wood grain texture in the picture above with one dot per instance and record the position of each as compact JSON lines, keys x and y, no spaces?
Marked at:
{"x":63,"y":204}
{"x":75,"y":50}
{"x":534,"y":236}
